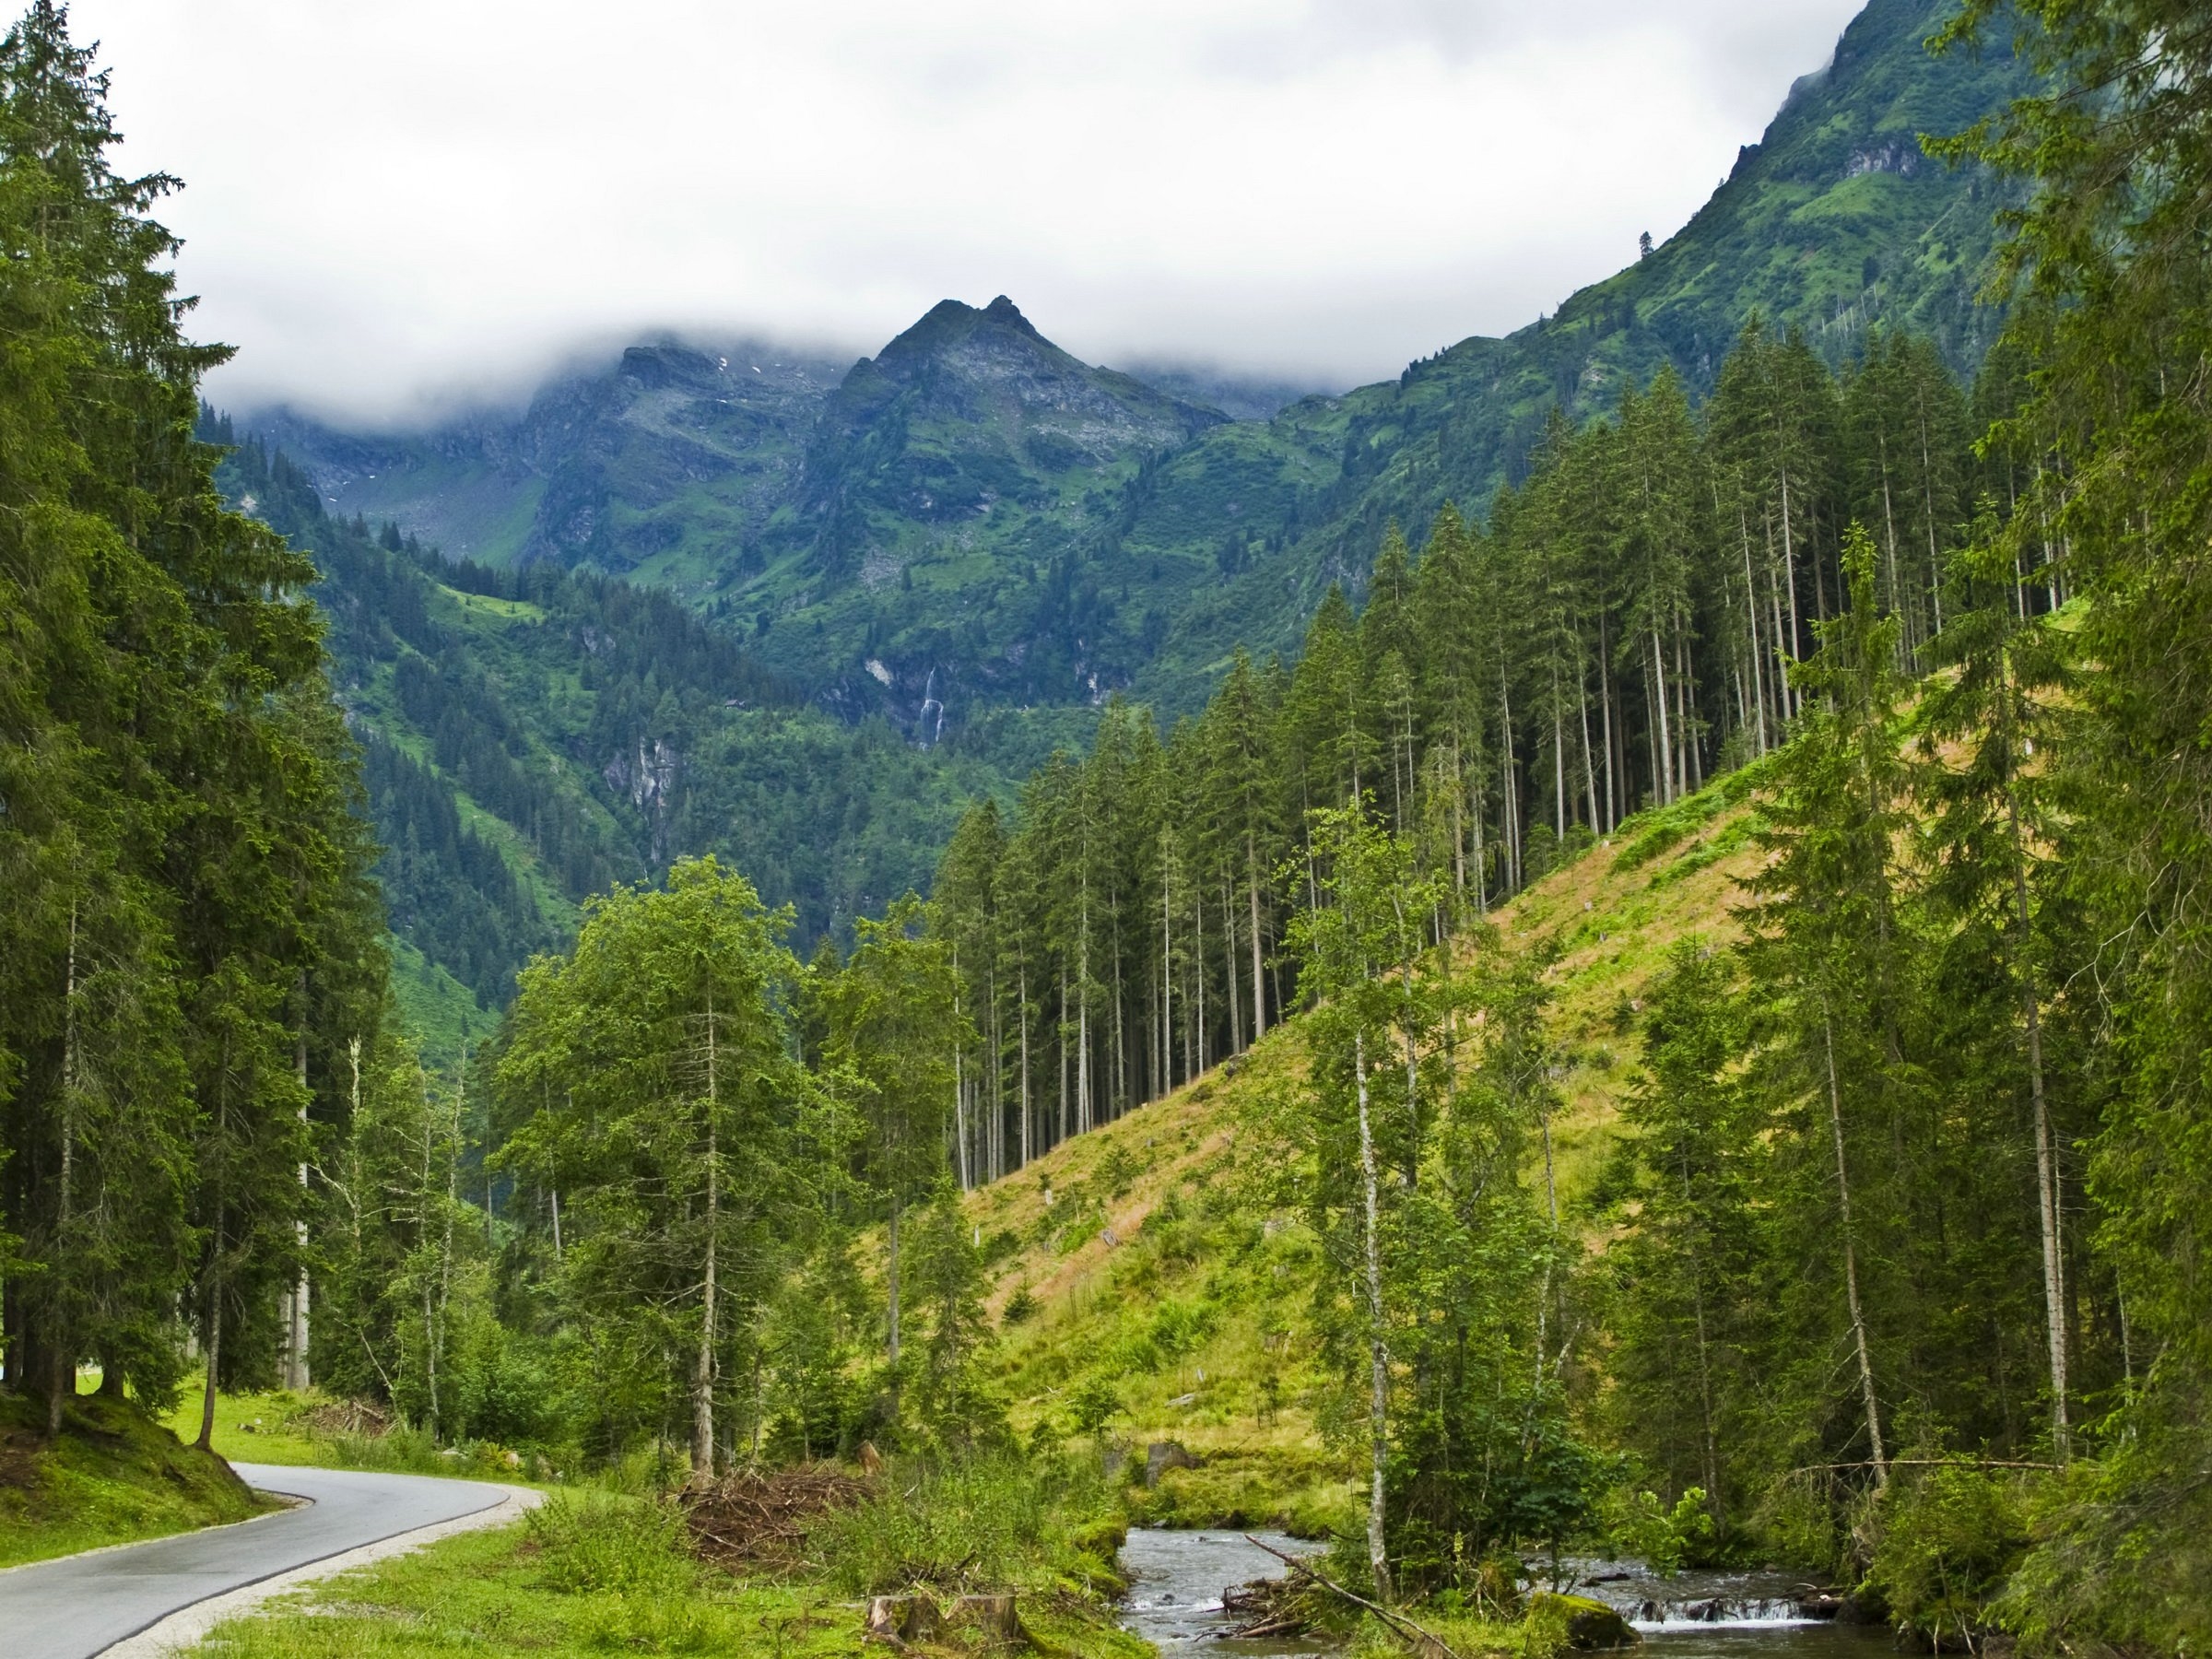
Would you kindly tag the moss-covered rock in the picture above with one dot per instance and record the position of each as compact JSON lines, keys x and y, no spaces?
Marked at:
{"x":1557,"y":1623}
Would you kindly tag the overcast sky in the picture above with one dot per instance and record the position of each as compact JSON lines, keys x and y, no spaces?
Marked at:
{"x":396,"y":205}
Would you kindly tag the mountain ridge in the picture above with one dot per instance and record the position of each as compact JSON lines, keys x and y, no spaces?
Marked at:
{"x":904,"y":541}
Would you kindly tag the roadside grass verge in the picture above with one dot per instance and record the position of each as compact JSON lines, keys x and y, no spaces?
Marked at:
{"x":598,"y":1572}
{"x":114,"y":1476}
{"x":315,"y":1432}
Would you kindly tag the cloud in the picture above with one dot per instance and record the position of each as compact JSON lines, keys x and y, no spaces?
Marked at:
{"x":396,"y":205}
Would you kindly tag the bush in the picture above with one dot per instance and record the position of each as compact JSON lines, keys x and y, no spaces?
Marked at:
{"x":1951,"y":1536}
{"x":1665,"y":1539}
{"x":987,"y":1524}
{"x":1180,"y":1327}
{"x":1093,"y":1404}
{"x":602,"y":1544}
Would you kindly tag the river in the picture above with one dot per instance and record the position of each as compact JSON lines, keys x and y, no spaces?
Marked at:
{"x":1174,"y":1602}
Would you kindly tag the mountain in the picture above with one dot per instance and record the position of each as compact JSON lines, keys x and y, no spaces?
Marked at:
{"x":975,"y":520}
{"x":724,"y":598}
{"x":662,"y":468}
{"x":1835,"y":223}
{"x":949,"y":484}
{"x":532,"y":735}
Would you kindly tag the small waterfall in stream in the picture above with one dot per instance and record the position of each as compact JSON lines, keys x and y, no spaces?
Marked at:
{"x":1178,"y":1578}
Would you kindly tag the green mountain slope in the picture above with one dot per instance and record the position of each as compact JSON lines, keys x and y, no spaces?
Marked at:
{"x":667,"y":466}
{"x":531,"y":737}
{"x":1835,"y":223}
{"x":949,"y":485}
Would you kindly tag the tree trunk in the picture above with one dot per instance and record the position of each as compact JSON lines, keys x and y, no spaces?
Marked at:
{"x":296,"y":1333}
{"x":1851,"y":1263}
{"x":2046,"y":1164}
{"x":703,"y":1371}
{"x":1378,"y":1355}
{"x":215,"y":1262}
{"x":1758,"y":685}
{"x":1167,"y":979}
{"x":1259,"y":992}
{"x":1228,"y":969}
{"x":215,"y":1361}
{"x":1023,"y":992}
{"x":62,"y":1362}
{"x":959,"y":1109}
{"x":890,"y":1280}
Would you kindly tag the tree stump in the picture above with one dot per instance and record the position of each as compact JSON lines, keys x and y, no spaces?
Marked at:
{"x":1163,"y":1455}
{"x":902,"y":1618}
{"x":992,"y":1617}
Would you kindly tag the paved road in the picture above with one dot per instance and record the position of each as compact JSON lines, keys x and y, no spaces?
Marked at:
{"x":81,"y":1605}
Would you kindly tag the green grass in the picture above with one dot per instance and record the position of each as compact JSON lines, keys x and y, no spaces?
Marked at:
{"x":597,"y":1574}
{"x":438,"y":1012}
{"x":289,"y":1429}
{"x":114,"y":1476}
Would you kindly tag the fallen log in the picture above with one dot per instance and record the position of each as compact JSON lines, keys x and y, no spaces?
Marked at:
{"x":1428,"y":1643}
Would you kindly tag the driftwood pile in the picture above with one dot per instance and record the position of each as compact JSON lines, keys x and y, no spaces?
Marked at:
{"x":761,"y":1518}
{"x":1279,"y":1606}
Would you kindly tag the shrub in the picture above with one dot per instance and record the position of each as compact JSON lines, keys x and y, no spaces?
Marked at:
{"x":984,"y":1523}
{"x":1665,"y":1539}
{"x":1092,"y":1405}
{"x":1179,"y":1327}
{"x":1950,"y":1538}
{"x":601,"y":1543}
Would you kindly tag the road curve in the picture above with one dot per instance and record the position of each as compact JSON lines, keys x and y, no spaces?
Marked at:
{"x":82,"y":1605}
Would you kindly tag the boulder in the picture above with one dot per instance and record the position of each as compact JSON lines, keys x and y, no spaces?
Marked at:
{"x":1865,"y":1606}
{"x":1586,"y":1625}
{"x":1163,"y":1455}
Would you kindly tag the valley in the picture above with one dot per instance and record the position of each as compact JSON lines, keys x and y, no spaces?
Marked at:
{"x":1574,"y":978}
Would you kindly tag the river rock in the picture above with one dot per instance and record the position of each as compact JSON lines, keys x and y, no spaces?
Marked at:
{"x":1163,"y":1455}
{"x":1865,"y":1606}
{"x":1588,"y":1625}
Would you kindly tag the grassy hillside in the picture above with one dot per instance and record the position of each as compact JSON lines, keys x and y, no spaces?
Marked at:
{"x":1137,"y":1258}
{"x":113,"y":1477}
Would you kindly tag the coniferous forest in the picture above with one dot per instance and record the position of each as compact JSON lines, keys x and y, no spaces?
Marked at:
{"x":1883,"y":1266}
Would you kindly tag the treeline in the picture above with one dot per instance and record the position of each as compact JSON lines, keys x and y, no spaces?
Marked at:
{"x":1623,"y":630}
{"x":188,"y":940}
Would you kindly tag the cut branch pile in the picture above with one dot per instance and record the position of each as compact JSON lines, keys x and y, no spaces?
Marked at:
{"x":761,"y":1518}
{"x":348,"y":1416}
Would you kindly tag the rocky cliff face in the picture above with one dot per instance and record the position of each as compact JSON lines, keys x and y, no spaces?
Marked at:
{"x":680,"y":450}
